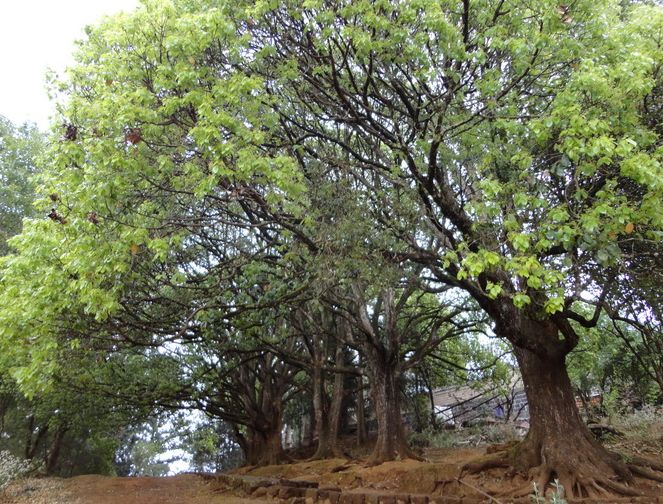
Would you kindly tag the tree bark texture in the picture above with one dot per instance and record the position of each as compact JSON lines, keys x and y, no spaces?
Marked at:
{"x":385,"y":394}
{"x":559,"y":446}
{"x":328,"y":410}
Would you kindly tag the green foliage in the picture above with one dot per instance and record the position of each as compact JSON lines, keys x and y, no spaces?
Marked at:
{"x":606,"y":366}
{"x":640,"y":431}
{"x":65,"y":431}
{"x":12,"y":468}
{"x":117,"y":198}
{"x":211,"y":446}
{"x":142,"y":450}
{"x":478,"y":435}
{"x":19,"y":149}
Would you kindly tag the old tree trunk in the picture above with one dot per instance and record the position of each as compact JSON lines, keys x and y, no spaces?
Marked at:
{"x":380,"y":348}
{"x":559,"y":446}
{"x":263,"y":446}
{"x":385,"y":393}
{"x":261,"y":385}
{"x":328,"y":410}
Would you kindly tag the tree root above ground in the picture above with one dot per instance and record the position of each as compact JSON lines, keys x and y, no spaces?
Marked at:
{"x":402,"y":454}
{"x":328,"y":454}
{"x":593,"y":473}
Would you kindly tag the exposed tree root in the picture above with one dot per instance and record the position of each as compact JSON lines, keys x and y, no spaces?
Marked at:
{"x":646,"y":473}
{"x":328,"y":454}
{"x":645,"y":462}
{"x":411,"y":455}
{"x":500,"y":459}
{"x":619,"y":488}
{"x":341,"y":468}
{"x":584,"y":469}
{"x":403,"y":452}
{"x":502,"y":447}
{"x":478,"y":490}
{"x":376,"y":461}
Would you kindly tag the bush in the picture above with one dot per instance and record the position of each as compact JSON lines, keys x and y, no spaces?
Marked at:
{"x":492,"y":433}
{"x":12,"y":468}
{"x":420,"y":439}
{"x":500,"y":433}
{"x":639,"y":420}
{"x":431,"y":438}
{"x":643,"y":432}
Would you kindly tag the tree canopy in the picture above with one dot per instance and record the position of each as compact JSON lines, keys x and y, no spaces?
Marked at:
{"x":238,"y":183}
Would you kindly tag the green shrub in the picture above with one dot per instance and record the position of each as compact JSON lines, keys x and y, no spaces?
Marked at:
{"x":12,"y":468}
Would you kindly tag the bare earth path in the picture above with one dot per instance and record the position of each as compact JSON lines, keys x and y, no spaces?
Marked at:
{"x":440,"y":481}
{"x":181,"y":489}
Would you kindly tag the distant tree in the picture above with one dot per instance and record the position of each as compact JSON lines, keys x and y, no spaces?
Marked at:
{"x":212,"y":447}
{"x":19,"y":149}
{"x":607,"y":372}
{"x":65,"y":431}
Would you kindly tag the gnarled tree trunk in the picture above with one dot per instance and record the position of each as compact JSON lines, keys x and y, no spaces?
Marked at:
{"x":385,"y":393}
{"x":335,"y":410}
{"x":54,"y":450}
{"x":328,"y":411}
{"x":559,"y":445}
{"x":262,"y":386}
{"x":380,"y":346}
{"x":33,"y":442}
{"x":262,"y":443}
{"x":320,"y":411}
{"x":263,"y":447}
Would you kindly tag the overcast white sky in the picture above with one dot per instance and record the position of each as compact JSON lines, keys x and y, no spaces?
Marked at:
{"x":36,"y":35}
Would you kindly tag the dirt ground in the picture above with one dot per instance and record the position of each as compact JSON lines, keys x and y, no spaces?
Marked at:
{"x":441,"y":477}
{"x":409,"y":476}
{"x":181,"y":489}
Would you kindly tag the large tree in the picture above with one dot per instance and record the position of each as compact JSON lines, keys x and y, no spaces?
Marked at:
{"x":501,"y":147}
{"x":69,"y":429}
{"x":521,"y":129}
